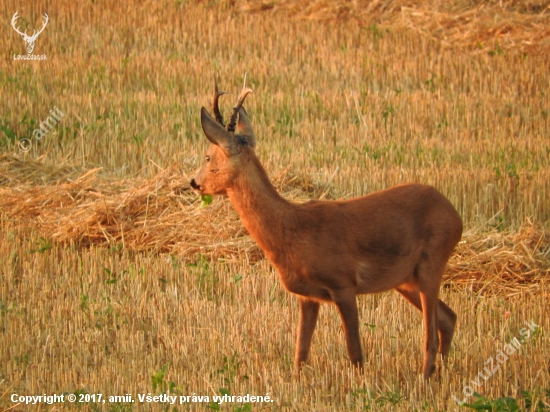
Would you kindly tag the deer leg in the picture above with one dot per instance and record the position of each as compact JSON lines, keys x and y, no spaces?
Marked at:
{"x":309,"y":310}
{"x":446,"y":318}
{"x":429,"y":311}
{"x":347,"y":306}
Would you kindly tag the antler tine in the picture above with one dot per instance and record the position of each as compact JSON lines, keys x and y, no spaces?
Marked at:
{"x":45,"y":16}
{"x":233,"y":120}
{"x":215,"y":105}
{"x":14,"y":21}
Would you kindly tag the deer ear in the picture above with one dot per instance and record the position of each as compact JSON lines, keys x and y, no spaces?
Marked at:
{"x":244,"y":127}
{"x":217,"y":134}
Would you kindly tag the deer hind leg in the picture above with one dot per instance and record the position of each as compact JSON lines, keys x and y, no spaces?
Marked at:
{"x":309,"y":311}
{"x":429,"y":302}
{"x":437,"y":315}
{"x":414,"y":296}
{"x":446,"y":318}
{"x":347,"y":306}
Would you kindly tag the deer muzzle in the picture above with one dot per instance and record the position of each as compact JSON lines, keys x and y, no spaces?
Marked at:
{"x":195,"y":186}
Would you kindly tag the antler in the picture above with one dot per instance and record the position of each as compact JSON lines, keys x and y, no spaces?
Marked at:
{"x":215,"y":107}
{"x":233,"y":120}
{"x":13,"y":21}
{"x":35,"y":34}
{"x":24,"y":34}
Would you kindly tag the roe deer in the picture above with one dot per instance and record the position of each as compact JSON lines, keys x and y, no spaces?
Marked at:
{"x":330,"y":251}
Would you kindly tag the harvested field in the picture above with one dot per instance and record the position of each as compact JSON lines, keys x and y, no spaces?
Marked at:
{"x":114,"y":280}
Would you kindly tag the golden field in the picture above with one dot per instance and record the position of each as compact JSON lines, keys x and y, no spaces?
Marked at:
{"x":114,"y":280}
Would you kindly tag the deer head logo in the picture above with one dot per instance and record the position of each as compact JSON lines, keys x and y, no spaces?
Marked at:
{"x":29,"y":40}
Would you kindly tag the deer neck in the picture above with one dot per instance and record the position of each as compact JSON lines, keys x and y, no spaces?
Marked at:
{"x":265,"y":213}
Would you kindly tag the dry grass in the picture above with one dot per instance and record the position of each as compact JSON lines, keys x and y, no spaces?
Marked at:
{"x":478,"y":26}
{"x":161,"y":214}
{"x":106,"y":320}
{"x":105,"y":253}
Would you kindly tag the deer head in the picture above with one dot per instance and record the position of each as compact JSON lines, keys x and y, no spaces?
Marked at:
{"x":29,"y":40}
{"x":228,"y":149}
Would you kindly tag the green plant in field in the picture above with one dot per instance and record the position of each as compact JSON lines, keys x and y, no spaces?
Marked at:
{"x":426,"y":406}
{"x":364,"y":395}
{"x":376,"y":32}
{"x":161,"y":386}
{"x":112,"y":277}
{"x":70,"y":132}
{"x":25,"y":128}
{"x":30,"y":124}
{"x":372,"y":401}
{"x":120,"y":407}
{"x":105,"y":316}
{"x":230,"y":368}
{"x":116,"y":248}
{"x":532,"y":335}
{"x":511,"y":171}
{"x":43,"y":245}
{"x":84,"y":302}
{"x":215,"y":406}
{"x":392,"y":397}
{"x":498,"y":223}
{"x":369,"y":151}
{"x":387,"y":113}
{"x":162,"y":284}
{"x":9,"y":135}
{"x":443,"y":123}
{"x":22,"y":360}
{"x":228,"y":372}
{"x":431,"y":83}
{"x":157,"y":379}
{"x":6,"y":309}
{"x":139,"y":138}
{"x":509,"y":404}
{"x":247,"y":407}
{"x":127,"y":274}
{"x":206,"y":277}
{"x":174,"y":262}
{"x":498,"y":51}
{"x":133,"y":272}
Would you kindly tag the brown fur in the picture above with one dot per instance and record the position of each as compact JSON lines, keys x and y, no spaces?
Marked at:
{"x":330,"y":251}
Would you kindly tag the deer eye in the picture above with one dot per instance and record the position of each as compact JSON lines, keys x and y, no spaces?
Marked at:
{"x":207,"y":158}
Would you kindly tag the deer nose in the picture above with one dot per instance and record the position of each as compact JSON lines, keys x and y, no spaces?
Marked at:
{"x":194,"y":185}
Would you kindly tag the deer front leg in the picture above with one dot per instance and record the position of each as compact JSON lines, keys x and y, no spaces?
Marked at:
{"x":309,"y":310}
{"x":347,"y":306}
